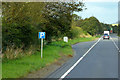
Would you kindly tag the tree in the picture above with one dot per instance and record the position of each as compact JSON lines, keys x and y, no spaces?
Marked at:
{"x":91,"y":25}
{"x":22,"y":21}
{"x":76,"y":17}
{"x":19,"y":21}
{"x":59,"y":18}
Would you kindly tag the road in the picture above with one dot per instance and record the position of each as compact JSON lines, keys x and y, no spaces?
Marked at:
{"x":100,"y":62}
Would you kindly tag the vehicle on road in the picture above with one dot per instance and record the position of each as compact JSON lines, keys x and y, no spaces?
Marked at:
{"x":106,"y":32}
{"x":106,"y":36}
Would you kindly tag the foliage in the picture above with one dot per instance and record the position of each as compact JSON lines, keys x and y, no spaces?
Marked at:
{"x":18,"y":23}
{"x":14,"y":34}
{"x":92,"y":25}
{"x":58,"y":26}
{"x":75,"y":17}
{"x":115,"y":29}
{"x":22,"y":21}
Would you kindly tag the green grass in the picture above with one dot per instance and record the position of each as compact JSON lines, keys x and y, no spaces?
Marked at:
{"x":73,"y":41}
{"x":22,"y":66}
{"x":19,"y":67}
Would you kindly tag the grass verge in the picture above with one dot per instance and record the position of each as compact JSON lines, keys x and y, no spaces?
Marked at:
{"x":20,"y":67}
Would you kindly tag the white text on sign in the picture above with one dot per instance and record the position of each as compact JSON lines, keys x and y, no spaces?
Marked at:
{"x":41,"y":35}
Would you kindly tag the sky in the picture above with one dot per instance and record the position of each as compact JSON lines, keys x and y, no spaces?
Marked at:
{"x":105,"y":11}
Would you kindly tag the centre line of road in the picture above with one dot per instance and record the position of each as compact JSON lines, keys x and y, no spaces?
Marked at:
{"x":66,"y":73}
{"x":115,"y":44}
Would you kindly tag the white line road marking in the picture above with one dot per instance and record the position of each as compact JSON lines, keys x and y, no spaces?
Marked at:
{"x":115,"y":44}
{"x":66,"y":73}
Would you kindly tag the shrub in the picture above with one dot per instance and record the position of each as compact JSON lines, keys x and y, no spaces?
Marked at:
{"x":17,"y":35}
{"x":76,"y":32}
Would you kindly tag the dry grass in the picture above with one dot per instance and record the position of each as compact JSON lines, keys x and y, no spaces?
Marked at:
{"x":13,"y":53}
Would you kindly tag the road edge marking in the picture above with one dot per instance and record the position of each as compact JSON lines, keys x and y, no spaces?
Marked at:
{"x":69,"y":70}
{"x":115,"y":44}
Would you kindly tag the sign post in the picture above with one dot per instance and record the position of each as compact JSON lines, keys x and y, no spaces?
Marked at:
{"x":41,"y":47}
{"x":41,"y":36}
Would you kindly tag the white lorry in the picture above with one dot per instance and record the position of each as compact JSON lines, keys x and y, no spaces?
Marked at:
{"x":106,"y":35}
{"x":106,"y":32}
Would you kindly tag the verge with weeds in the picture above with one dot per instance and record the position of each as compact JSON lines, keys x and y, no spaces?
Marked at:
{"x":20,"y":67}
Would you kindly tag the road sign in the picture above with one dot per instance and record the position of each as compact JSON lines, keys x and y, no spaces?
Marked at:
{"x":65,"y":39}
{"x":41,"y":35}
{"x":111,"y":28}
{"x":111,"y":31}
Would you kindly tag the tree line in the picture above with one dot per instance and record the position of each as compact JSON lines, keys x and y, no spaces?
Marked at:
{"x":91,"y":25}
{"x":21,"y":22}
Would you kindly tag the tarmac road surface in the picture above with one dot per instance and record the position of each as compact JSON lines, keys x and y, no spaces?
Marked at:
{"x":101,"y":61}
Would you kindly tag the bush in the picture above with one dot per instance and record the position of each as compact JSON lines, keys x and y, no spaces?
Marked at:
{"x":14,"y":34}
{"x":76,"y":32}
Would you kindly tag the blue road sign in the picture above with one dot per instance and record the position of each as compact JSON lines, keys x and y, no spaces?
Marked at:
{"x":41,"y":35}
